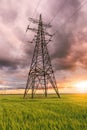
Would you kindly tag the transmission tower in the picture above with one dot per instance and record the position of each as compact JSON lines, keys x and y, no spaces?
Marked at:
{"x":41,"y":74}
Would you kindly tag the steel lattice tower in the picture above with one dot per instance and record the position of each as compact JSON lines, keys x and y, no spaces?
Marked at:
{"x":41,"y":73}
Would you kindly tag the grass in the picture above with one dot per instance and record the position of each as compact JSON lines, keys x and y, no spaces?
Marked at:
{"x":67,"y":113}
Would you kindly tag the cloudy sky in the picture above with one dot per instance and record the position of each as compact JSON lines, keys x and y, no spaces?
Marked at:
{"x":68,"y":49}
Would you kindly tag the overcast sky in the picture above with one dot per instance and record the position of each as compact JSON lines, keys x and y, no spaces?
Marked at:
{"x":68,"y":49}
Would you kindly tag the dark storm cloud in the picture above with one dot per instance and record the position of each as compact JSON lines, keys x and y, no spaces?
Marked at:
{"x":72,"y":5}
{"x":69,"y":50}
{"x":63,"y":44}
{"x":64,"y":39}
{"x":65,"y":54}
{"x":5,"y":63}
{"x":9,"y":63}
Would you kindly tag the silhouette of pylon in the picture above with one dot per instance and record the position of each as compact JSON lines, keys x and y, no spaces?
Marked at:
{"x":41,"y":74}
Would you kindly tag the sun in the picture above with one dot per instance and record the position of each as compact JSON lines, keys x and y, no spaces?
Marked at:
{"x":81,"y":86}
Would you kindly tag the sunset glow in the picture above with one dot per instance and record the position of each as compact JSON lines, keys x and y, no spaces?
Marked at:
{"x":67,"y":48}
{"x":81,"y":86}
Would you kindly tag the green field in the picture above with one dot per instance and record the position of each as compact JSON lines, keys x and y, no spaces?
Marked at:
{"x":67,"y":113}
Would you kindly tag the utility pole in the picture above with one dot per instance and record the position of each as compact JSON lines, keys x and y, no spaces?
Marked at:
{"x":41,"y":74}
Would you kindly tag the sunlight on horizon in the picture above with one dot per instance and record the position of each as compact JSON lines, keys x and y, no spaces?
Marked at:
{"x":81,"y":86}
{"x":71,"y":87}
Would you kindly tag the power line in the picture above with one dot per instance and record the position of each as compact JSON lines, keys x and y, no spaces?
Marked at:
{"x":36,"y":7}
{"x":59,"y":9}
{"x":34,"y":11}
{"x":83,"y":3}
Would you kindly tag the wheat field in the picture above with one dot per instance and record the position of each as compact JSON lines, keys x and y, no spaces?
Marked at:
{"x":67,"y":113}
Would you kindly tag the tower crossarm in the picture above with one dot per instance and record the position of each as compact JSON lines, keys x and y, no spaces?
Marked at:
{"x":35,"y":21}
{"x":36,"y":30}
